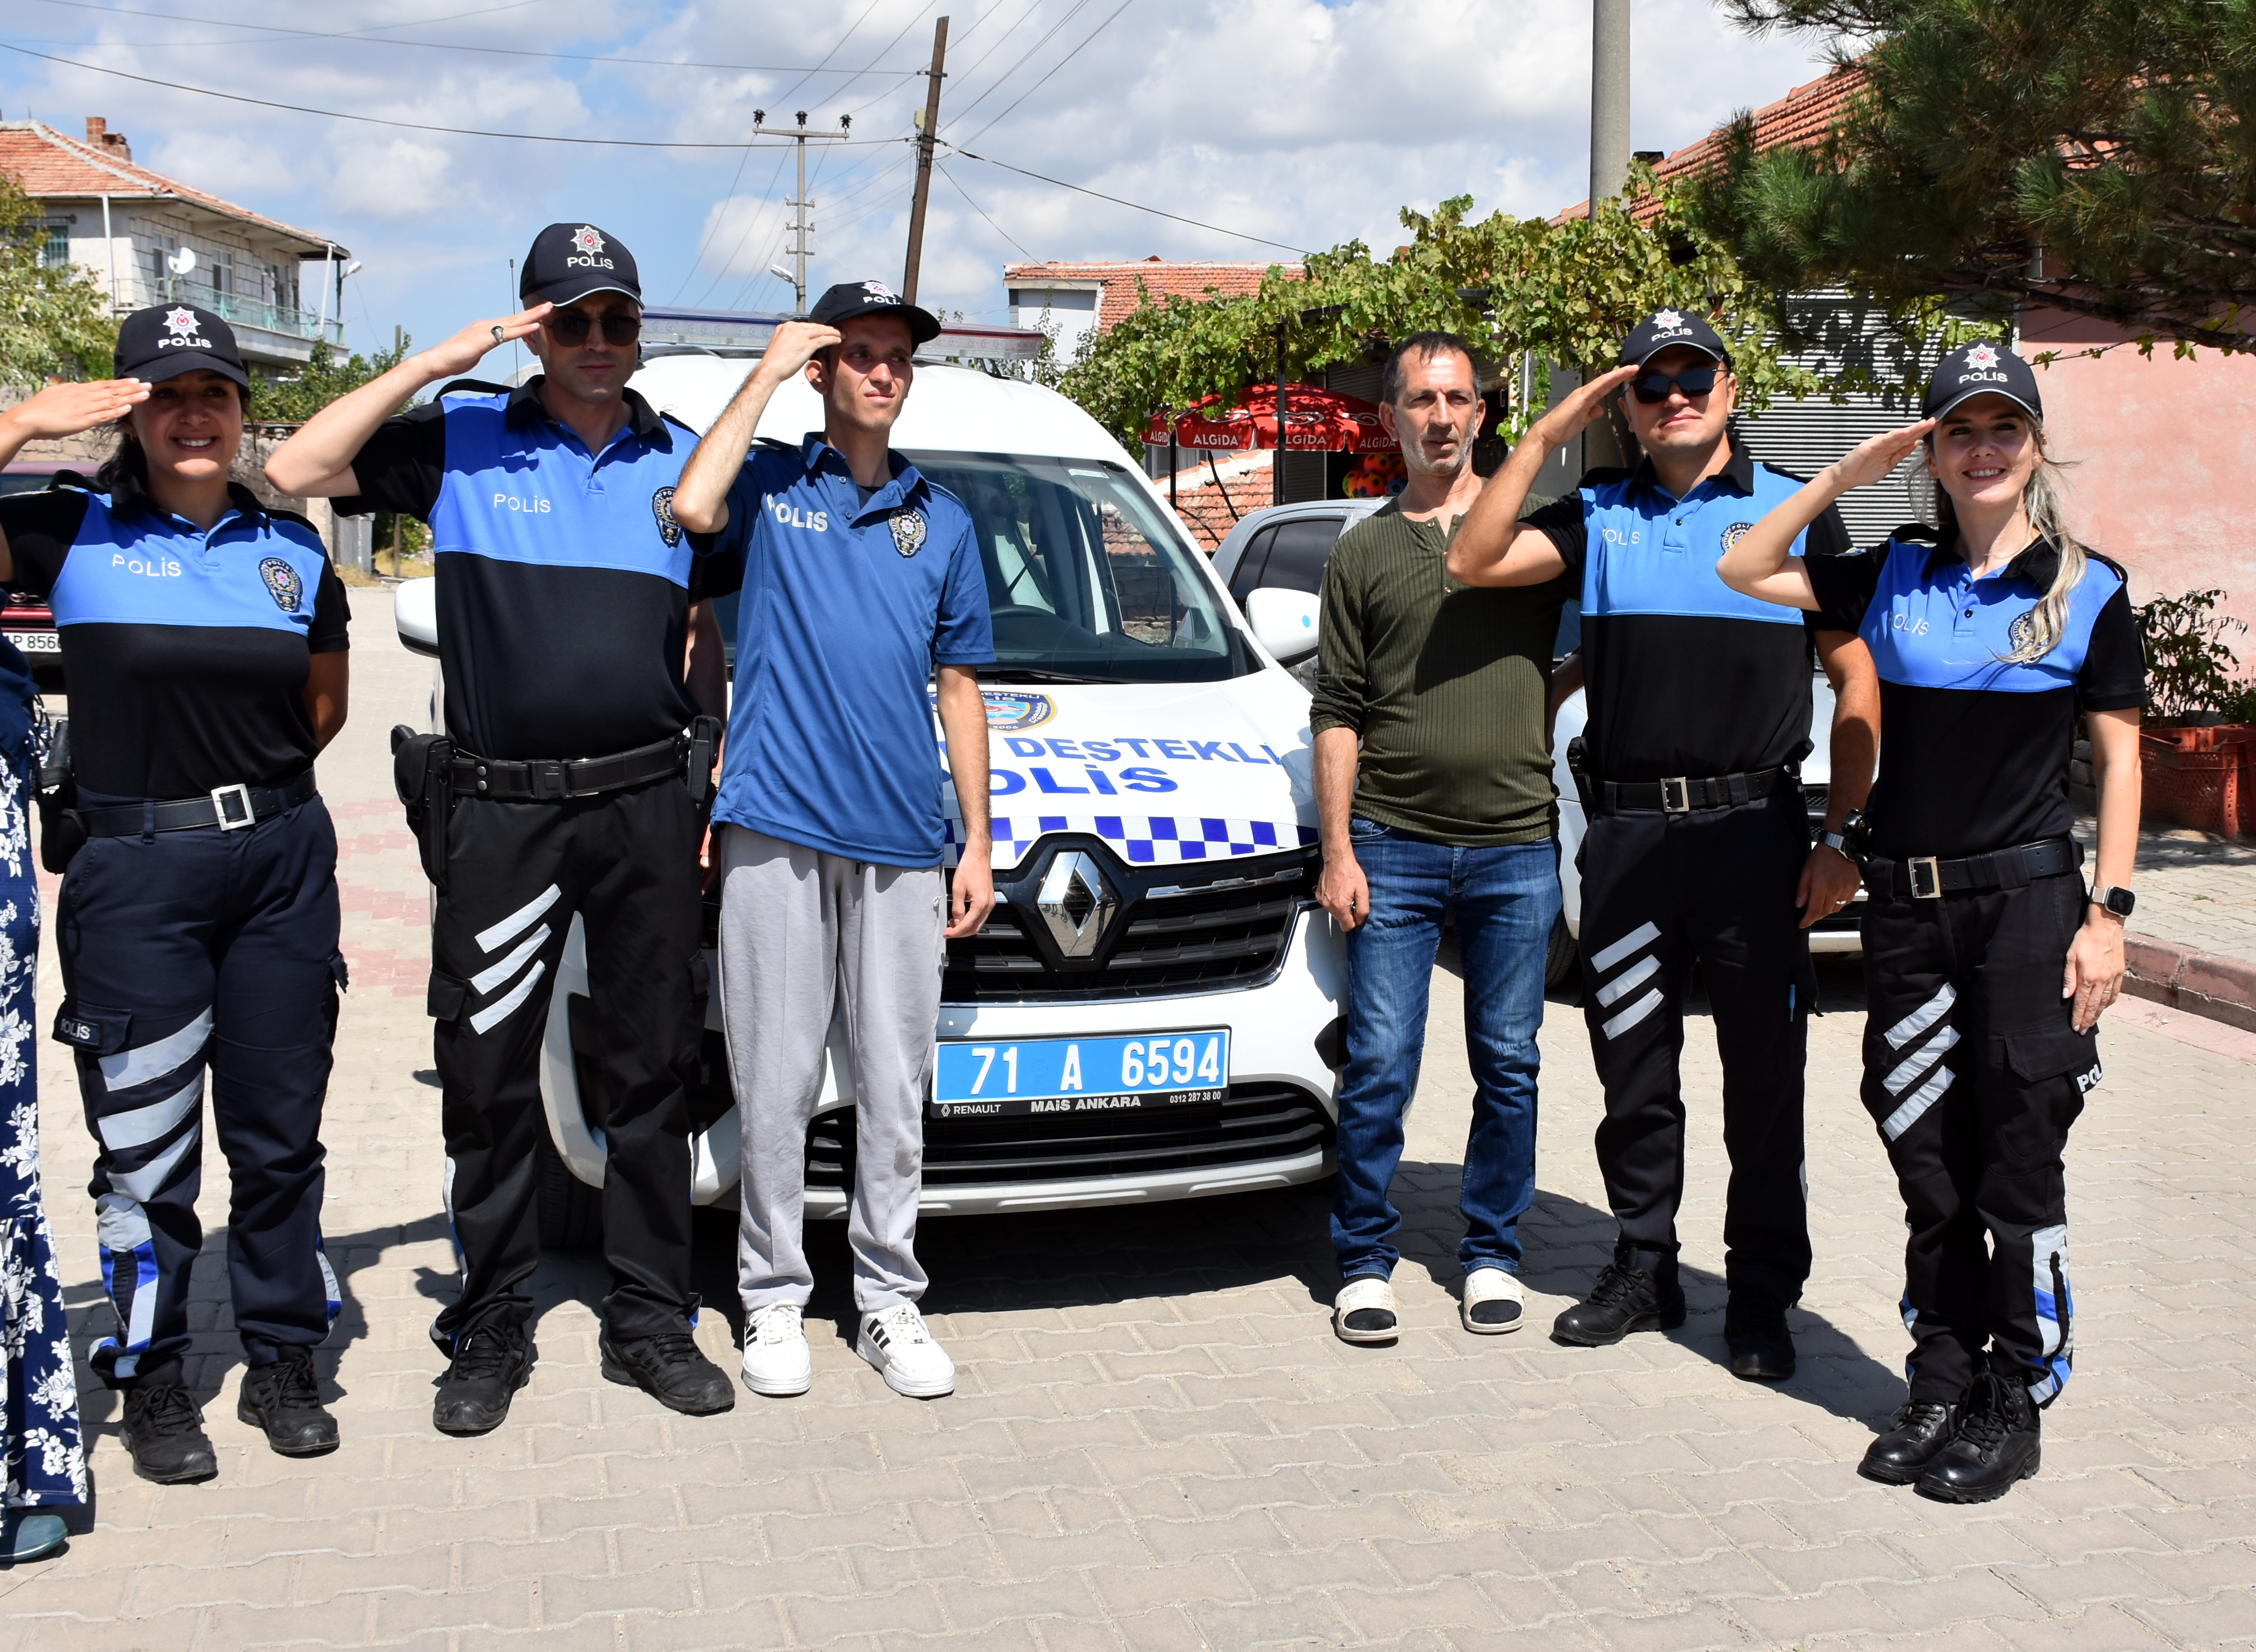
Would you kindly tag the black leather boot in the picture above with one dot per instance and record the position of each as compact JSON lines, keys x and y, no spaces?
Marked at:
{"x":284,"y":1399}
{"x":1995,"y":1448}
{"x":1754,"y":1329}
{"x":1921,"y":1428}
{"x":1629,"y":1296}
{"x":491,"y":1363}
{"x":165,"y":1433}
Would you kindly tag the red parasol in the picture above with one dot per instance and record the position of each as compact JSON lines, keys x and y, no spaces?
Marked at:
{"x":1315,"y":421}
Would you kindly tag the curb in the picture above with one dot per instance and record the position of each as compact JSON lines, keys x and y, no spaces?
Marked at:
{"x":2221,"y":989}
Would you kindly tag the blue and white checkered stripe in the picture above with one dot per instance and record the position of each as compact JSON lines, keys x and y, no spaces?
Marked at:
{"x":1142,"y":840}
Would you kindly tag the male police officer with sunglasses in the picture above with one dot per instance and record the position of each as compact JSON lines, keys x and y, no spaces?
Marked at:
{"x":578,"y":659}
{"x":1698,"y":845}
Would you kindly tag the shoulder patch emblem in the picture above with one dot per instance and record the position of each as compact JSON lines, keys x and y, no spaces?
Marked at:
{"x":908,"y":531}
{"x":2023,"y":630}
{"x":661,"y":506}
{"x":283,"y":584}
{"x":1737,"y":531}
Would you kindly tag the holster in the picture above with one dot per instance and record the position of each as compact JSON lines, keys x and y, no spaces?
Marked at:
{"x":1578,"y":765}
{"x":419,"y":775}
{"x":62,"y":834}
{"x":704,"y":745}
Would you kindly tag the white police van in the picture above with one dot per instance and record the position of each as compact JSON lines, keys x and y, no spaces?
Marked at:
{"x":1151,"y":1012}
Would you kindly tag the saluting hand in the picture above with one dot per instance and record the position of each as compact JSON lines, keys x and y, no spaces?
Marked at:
{"x":1569,"y":419}
{"x":794,"y":344}
{"x":1876,"y":457}
{"x":468,"y":347}
{"x":73,"y":409}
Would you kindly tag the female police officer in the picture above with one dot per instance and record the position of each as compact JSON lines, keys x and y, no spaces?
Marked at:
{"x":203,"y":638}
{"x":1987,"y":960}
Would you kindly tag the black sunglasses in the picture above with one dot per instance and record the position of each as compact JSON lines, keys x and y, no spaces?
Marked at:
{"x":570,"y":328}
{"x":1693,"y":381}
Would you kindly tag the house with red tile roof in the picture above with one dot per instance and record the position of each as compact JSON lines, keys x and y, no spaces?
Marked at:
{"x":1075,"y":302}
{"x":2160,"y":446}
{"x":127,"y":226}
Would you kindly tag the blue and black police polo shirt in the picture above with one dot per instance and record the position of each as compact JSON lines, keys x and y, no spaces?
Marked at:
{"x":564,"y":581}
{"x":1683,"y":675}
{"x":186,"y":651}
{"x":848,"y":603}
{"x":1975,"y":746}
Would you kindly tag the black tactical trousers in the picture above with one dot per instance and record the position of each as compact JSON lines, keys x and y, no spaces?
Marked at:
{"x":1974,"y":1073}
{"x":517,"y":872}
{"x":1659,"y":891}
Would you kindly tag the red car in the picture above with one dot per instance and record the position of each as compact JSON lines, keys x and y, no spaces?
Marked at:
{"x":28,"y":621}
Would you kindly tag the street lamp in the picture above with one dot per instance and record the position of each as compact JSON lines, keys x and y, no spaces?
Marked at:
{"x":1307,"y":318}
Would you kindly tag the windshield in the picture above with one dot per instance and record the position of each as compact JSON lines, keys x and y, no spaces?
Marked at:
{"x":1084,"y":578}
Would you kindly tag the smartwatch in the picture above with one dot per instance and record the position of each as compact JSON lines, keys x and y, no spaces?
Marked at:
{"x":2115,"y":898}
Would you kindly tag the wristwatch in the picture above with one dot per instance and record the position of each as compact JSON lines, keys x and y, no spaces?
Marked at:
{"x":1853,"y":840}
{"x":1838,"y":843}
{"x":2115,"y":898}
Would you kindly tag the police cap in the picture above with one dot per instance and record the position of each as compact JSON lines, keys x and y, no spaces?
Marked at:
{"x":1981,"y":368}
{"x":1666,"y":329}
{"x":851,"y":298}
{"x":166,"y":340}
{"x":569,"y":261}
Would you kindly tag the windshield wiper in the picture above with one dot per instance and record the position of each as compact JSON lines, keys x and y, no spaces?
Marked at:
{"x":1032,"y":674}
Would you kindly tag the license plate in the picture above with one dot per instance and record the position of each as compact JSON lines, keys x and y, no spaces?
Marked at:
{"x":979,"y":1078}
{"x":36,"y":642}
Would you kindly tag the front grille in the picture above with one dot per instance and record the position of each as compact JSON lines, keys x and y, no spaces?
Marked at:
{"x":1183,"y":929}
{"x":1813,"y":800}
{"x":1255,"y":1123}
{"x":711,"y":1095}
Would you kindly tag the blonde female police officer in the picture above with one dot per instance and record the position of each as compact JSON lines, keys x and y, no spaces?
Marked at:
{"x":1987,"y":960}
{"x":204,"y":639}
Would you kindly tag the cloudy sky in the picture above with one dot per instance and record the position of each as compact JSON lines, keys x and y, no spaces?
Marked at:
{"x":1294,"y":120}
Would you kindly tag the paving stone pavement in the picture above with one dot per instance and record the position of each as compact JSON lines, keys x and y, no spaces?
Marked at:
{"x":1157,"y":1444}
{"x":2195,"y":890}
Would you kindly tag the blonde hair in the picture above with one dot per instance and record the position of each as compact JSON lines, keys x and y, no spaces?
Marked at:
{"x":2044,"y":502}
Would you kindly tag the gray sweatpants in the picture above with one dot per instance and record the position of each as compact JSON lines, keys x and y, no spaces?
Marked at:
{"x":802,"y":931}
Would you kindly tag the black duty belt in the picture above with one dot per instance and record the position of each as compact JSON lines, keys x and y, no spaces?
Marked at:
{"x":227,"y":808}
{"x":550,"y":779}
{"x":1926,"y":877}
{"x":1681,"y":796}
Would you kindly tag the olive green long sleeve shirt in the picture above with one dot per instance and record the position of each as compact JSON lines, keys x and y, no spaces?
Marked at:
{"x":1446,"y":683}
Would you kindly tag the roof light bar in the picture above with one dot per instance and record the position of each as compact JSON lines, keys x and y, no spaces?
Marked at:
{"x":747,"y":332}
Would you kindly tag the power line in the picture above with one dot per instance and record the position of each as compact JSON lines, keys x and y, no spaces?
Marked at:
{"x":982,"y":211}
{"x":1079,"y":5}
{"x":361,"y":38}
{"x":1133,"y":206}
{"x":1061,"y":63}
{"x":412,"y":126}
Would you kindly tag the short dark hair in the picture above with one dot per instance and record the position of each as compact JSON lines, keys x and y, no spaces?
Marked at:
{"x":1427,"y":345}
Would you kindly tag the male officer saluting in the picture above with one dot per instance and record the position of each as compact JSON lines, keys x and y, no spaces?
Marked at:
{"x":1699,"y":712}
{"x":576,"y":651}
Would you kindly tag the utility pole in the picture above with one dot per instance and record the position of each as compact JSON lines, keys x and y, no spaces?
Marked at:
{"x":800,"y":224}
{"x":928,"y":134}
{"x":1610,"y":152}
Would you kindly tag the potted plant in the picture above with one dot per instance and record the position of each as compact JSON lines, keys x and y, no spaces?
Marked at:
{"x":2198,"y":742}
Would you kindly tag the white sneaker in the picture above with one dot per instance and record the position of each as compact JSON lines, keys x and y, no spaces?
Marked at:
{"x":777,"y":1362}
{"x":1364,"y":1310}
{"x":896,"y":1341}
{"x":1492,"y":1302}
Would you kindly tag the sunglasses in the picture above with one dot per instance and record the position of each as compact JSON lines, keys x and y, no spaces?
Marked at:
{"x":1693,"y":381}
{"x":569,"y":327}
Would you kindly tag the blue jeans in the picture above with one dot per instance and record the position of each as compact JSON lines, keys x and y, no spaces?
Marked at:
{"x":1504,"y":902}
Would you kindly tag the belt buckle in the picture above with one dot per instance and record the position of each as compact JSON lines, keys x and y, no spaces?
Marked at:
{"x":1682,"y":805}
{"x":227,"y":823}
{"x":1934,"y":877}
{"x":545,"y":779}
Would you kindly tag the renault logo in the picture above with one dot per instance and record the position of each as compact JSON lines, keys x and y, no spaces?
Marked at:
{"x":1077,"y":903}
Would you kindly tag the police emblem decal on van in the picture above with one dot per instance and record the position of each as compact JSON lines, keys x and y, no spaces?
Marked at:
{"x":661,"y":506}
{"x":282,"y":584}
{"x":908,"y":531}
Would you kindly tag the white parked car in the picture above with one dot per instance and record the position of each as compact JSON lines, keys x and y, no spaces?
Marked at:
{"x":1151,"y":1014}
{"x":1273,"y":562}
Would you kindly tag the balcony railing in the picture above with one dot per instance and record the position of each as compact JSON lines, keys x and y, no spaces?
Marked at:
{"x":136,"y":292}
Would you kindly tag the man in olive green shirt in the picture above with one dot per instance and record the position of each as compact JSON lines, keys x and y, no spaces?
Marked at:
{"x":1435,"y":797}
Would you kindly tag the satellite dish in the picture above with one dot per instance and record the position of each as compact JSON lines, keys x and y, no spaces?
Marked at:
{"x":182,"y":262}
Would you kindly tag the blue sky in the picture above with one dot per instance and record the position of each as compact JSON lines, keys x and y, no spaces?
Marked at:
{"x":1294,"y":120}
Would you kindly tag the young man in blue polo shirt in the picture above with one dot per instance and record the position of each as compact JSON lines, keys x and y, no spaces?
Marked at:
{"x":1698,"y":846}
{"x":862,"y":583}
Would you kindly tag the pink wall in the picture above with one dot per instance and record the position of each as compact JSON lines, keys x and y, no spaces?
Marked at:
{"x":2166,"y":474}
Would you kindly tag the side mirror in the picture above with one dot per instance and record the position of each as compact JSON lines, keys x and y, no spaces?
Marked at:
{"x":415,"y":613}
{"x":1287,"y":622}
